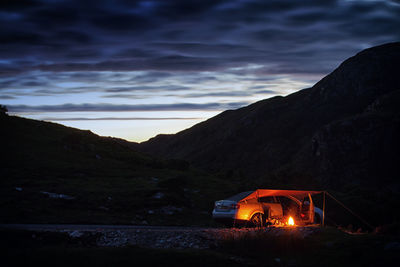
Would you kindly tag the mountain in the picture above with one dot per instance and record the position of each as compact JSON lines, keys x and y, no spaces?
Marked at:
{"x":50,"y":173}
{"x":342,"y":132}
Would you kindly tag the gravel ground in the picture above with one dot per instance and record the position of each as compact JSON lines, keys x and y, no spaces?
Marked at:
{"x":159,"y":236}
{"x":186,"y":238}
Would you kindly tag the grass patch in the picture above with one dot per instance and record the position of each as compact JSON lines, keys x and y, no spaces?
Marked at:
{"x":329,"y":247}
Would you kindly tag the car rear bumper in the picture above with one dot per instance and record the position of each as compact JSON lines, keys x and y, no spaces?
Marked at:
{"x":224,"y":215}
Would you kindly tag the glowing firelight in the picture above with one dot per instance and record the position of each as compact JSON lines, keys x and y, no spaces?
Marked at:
{"x":290,"y":221}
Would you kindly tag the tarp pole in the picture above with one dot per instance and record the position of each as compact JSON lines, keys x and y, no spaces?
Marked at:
{"x":323,"y":210}
{"x":352,"y":212}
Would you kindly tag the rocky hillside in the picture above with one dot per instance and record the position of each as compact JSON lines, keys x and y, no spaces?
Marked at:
{"x":342,"y":132}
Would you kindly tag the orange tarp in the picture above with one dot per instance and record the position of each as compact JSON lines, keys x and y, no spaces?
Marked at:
{"x":298,"y":194}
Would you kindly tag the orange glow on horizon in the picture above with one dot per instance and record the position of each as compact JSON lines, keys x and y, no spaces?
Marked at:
{"x":290,"y":221}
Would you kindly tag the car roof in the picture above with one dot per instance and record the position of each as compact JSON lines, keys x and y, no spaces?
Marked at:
{"x":240,"y":196}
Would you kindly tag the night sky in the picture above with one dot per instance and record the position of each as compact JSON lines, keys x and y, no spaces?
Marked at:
{"x":133,"y":69}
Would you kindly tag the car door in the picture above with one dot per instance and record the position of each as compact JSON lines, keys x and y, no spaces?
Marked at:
{"x":271,"y":206}
{"x":307,"y":209}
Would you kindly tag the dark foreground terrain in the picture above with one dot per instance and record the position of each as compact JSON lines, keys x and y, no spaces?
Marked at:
{"x":234,"y":247}
{"x":50,"y":173}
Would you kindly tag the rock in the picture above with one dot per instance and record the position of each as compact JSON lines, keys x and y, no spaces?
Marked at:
{"x":158,"y":195}
{"x":170,"y":210}
{"x":56,"y":195}
{"x":75,"y":234}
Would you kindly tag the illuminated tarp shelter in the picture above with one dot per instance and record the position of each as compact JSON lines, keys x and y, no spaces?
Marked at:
{"x":298,"y":194}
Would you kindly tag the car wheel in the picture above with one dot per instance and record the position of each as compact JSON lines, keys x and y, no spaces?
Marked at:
{"x":256,"y":220}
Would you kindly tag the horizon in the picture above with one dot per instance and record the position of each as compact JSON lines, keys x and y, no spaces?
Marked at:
{"x":80,"y":120}
{"x":135,"y":70}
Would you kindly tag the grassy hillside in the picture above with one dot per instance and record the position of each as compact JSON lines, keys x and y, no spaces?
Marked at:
{"x":104,"y":180}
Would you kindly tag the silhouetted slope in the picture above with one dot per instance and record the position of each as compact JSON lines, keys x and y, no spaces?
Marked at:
{"x":288,"y":138}
{"x":104,"y":179}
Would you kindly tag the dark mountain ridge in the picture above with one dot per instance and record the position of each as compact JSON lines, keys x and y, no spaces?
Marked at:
{"x":341,"y":131}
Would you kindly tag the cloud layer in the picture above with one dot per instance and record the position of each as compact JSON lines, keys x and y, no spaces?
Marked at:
{"x":177,"y":53}
{"x":124,"y":108}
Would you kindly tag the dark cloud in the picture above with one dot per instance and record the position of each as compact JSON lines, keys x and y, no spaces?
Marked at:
{"x":119,"y":108}
{"x":18,"y":38}
{"x":6,"y":97}
{"x":182,"y":9}
{"x":136,"y":53}
{"x":267,"y":92}
{"x":122,"y":22}
{"x":164,"y":63}
{"x":59,"y":15}
{"x":32,"y":83}
{"x":151,"y":76}
{"x":184,"y":35}
{"x":75,"y":37}
{"x":124,"y":96}
{"x":258,"y":87}
{"x":17,"y":5}
{"x":215,"y":94}
{"x":80,"y":54}
{"x":119,"y":119}
{"x":209,"y":50}
{"x":146,"y":88}
{"x":6,"y":83}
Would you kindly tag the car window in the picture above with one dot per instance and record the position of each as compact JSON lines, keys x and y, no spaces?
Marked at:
{"x":285,"y":201}
{"x":267,"y":200}
{"x":240,"y":196}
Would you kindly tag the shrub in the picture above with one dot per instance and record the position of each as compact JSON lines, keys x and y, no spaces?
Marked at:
{"x":3,"y":110}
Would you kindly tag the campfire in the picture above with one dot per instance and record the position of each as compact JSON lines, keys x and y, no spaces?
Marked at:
{"x":290,"y":221}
